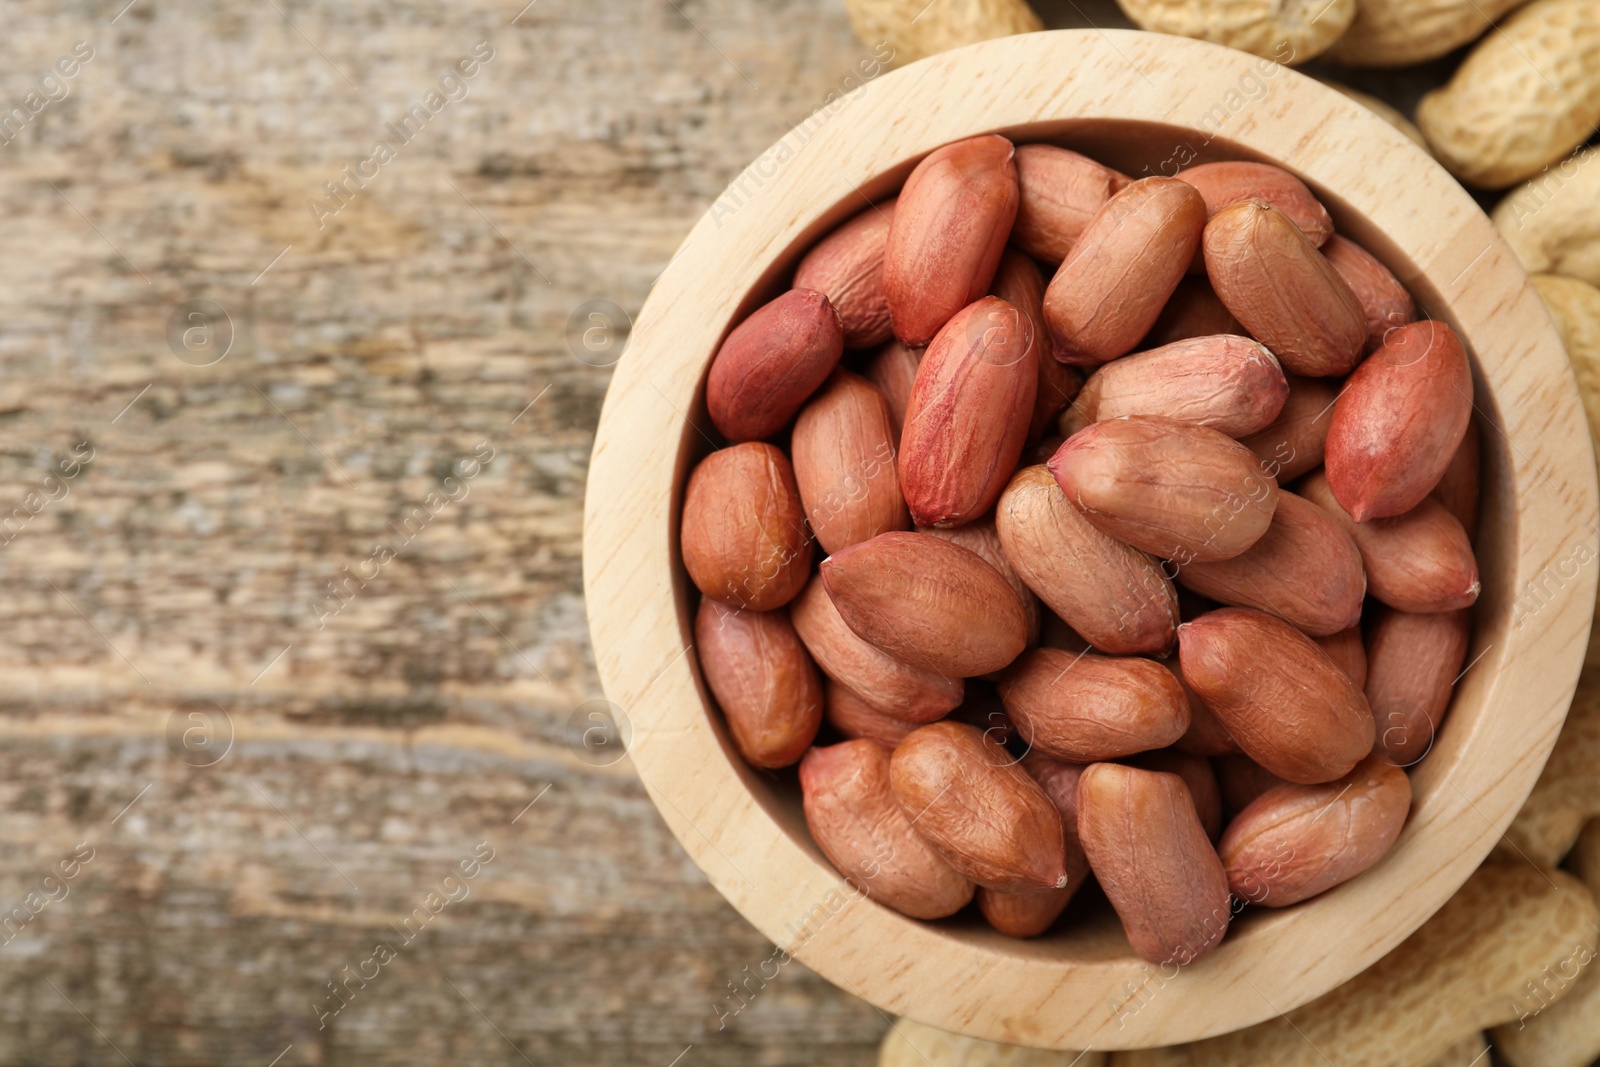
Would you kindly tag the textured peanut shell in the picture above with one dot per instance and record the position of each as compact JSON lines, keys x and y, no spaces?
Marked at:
{"x":1289,"y":706}
{"x":847,"y":267}
{"x":1193,"y":310}
{"x":1061,"y":191}
{"x":915,"y":30}
{"x":949,"y":229}
{"x":1384,"y":301}
{"x":1403,"y":33}
{"x":982,"y":538}
{"x":855,"y":819}
{"x":1467,"y":968}
{"x":1524,"y":97}
{"x":1151,"y":855}
{"x":855,"y":718}
{"x":1552,"y":221}
{"x":771,"y":362}
{"x":1567,"y":794}
{"x":893,"y":369}
{"x":764,"y":681}
{"x":1297,"y":438}
{"x":1116,"y":597}
{"x":1305,"y":569}
{"x":1420,"y":561}
{"x":1575,"y":306}
{"x":744,"y":536}
{"x":844,"y":463}
{"x":1083,"y":708}
{"x":1296,"y":841}
{"x":1226,"y":183}
{"x":911,"y":1044}
{"x":927,"y":602}
{"x":1122,"y":270}
{"x":1019,"y":283}
{"x":1398,"y":421}
{"x":1287,"y":31}
{"x":967,"y":418}
{"x":983,"y":812}
{"x":1412,"y":665}
{"x":893,"y":687}
{"x":1564,"y":1034}
{"x":1283,"y":290}
{"x":1347,"y":651}
{"x":1181,"y":492}
{"x":1227,"y":382}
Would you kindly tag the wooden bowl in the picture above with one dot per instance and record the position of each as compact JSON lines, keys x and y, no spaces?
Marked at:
{"x":1130,"y":99}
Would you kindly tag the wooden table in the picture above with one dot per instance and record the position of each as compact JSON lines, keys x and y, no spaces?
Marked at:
{"x":274,"y":688}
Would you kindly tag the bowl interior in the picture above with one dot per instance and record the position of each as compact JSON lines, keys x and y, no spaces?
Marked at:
{"x":1091,"y":931}
{"x":1134,"y":101}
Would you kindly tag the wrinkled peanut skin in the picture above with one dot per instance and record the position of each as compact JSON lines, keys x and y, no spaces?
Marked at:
{"x":1085,"y":708}
{"x":1229,"y":383}
{"x":982,"y":538}
{"x":1032,"y":912}
{"x":1295,"y":841}
{"x":1061,"y":191}
{"x":949,"y":230}
{"x":893,"y":687}
{"x":859,"y":825}
{"x":985,"y":815}
{"x":1206,"y":736}
{"x":1305,"y":569}
{"x":1458,"y":488}
{"x":1398,"y":421}
{"x":1412,"y":666}
{"x":928,"y":602}
{"x":844,"y":463}
{"x":764,"y":681}
{"x":771,"y":362}
{"x":1151,"y":855}
{"x":1384,"y":301}
{"x":1289,"y":706}
{"x":1419,"y":562}
{"x":847,"y":267}
{"x":1115,"y":596}
{"x":893,"y":369}
{"x":1347,"y":651}
{"x":1019,"y":283}
{"x":1193,"y":311}
{"x":968,"y":415}
{"x":1296,"y":440}
{"x":744,"y":536}
{"x":1283,"y":290}
{"x":1181,"y":492}
{"x":1197,"y":776}
{"x":1227,"y":183}
{"x":1122,"y":270}
{"x":855,"y":718}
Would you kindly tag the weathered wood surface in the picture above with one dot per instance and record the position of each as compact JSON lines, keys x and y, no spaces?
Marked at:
{"x":184,"y":568}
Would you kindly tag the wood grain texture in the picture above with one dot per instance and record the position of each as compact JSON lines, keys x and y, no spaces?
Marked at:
{"x":1066,"y":991}
{"x":426,"y":714}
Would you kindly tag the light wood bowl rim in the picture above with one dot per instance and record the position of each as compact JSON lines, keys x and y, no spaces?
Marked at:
{"x":1511,"y":702}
